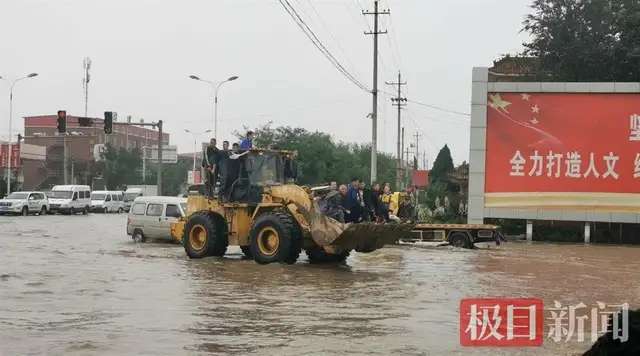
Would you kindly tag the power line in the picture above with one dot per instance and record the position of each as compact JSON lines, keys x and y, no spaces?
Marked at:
{"x":429,"y":105}
{"x":319,"y":45}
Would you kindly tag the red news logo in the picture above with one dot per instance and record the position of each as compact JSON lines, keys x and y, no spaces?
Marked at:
{"x":501,"y":322}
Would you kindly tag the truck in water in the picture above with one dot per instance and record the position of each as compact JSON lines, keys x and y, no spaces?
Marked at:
{"x":134,"y":191}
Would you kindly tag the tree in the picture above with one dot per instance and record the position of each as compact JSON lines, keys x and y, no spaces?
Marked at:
{"x":442,"y":166}
{"x":120,"y":167}
{"x":585,"y":40}
{"x":320,"y":159}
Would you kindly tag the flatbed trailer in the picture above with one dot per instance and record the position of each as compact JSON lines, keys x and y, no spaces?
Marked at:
{"x":459,"y":235}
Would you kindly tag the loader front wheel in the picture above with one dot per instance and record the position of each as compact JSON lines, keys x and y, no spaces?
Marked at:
{"x":202,"y":238}
{"x":274,"y":238}
{"x":317,"y":255}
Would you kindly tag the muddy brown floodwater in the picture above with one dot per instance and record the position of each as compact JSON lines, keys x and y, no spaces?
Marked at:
{"x":79,"y":285}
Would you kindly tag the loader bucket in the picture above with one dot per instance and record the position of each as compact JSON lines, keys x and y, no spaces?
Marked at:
{"x":363,"y":237}
{"x":368,"y":237}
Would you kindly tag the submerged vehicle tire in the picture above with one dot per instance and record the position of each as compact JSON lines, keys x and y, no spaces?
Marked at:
{"x":203,"y":237}
{"x":25,"y":211}
{"x":318,"y":255}
{"x":138,"y":236}
{"x":85,"y":211}
{"x":459,"y":239}
{"x":246,"y":250}
{"x":43,"y":211}
{"x":275,"y":237}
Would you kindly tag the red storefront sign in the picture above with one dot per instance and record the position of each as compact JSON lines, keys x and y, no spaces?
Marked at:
{"x":15,"y":155}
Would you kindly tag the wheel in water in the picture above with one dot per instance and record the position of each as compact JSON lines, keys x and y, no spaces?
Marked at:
{"x":43,"y":211}
{"x":246,"y":250}
{"x":318,"y":255}
{"x":120,"y":210}
{"x":105,"y":210}
{"x":204,"y":236}
{"x":138,"y":236}
{"x":25,"y":211}
{"x":460,"y":240}
{"x":275,"y":237}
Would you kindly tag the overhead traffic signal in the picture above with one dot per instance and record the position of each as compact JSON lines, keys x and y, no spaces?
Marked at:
{"x":62,"y":121}
{"x":108,"y":122}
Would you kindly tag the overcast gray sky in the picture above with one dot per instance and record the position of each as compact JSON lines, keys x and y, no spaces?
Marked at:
{"x":143,"y":51}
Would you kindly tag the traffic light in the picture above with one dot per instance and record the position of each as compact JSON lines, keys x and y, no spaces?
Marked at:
{"x":62,"y":121}
{"x":108,"y":122}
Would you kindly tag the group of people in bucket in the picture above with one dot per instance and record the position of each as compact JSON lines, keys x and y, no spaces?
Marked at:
{"x":354,"y":203}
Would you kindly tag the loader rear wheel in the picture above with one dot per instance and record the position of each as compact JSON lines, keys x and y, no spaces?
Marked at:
{"x":203,"y":237}
{"x":275,"y":238}
{"x":318,"y":255}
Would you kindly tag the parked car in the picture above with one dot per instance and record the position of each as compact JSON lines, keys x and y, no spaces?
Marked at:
{"x":105,"y":201}
{"x":70,"y":199}
{"x":25,"y":203}
{"x":151,"y":217}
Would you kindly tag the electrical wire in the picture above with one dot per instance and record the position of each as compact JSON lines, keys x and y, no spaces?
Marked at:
{"x":319,"y":45}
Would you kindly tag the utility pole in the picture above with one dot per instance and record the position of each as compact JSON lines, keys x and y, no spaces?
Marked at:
{"x":399,"y":101}
{"x":417,"y":136}
{"x":159,"y":182}
{"x":86,"y":65}
{"x":65,"y":159}
{"x":374,"y":111}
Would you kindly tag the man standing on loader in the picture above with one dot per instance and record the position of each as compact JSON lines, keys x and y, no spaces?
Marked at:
{"x":210,"y":161}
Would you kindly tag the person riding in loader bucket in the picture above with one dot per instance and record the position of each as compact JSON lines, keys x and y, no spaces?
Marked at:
{"x":272,"y":219}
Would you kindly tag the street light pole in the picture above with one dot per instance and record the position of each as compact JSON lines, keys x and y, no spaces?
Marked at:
{"x":10,"y":129}
{"x":215,"y":87}
{"x":195,"y":147}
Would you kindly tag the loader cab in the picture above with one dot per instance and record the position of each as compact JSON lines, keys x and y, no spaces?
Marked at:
{"x":248,"y":175}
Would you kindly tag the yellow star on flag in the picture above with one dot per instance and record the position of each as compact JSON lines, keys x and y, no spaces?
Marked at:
{"x":496,"y":102}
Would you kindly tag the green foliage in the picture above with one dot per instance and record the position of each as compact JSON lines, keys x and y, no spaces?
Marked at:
{"x":442,"y":166}
{"x":121,"y":167}
{"x":320,"y":159}
{"x":585,"y":40}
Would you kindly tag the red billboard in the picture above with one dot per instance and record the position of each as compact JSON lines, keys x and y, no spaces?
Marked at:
{"x":583,"y":150}
{"x":15,"y":155}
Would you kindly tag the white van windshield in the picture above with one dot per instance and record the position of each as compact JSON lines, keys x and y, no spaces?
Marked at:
{"x":98,"y":196}
{"x":131,"y":196}
{"x":60,"y":194}
{"x":18,"y":196}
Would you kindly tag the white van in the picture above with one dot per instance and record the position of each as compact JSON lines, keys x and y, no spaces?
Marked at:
{"x":70,"y":199}
{"x":151,"y":217}
{"x":105,"y":201}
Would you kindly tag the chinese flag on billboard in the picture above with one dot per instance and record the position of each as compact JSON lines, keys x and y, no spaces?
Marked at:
{"x":563,"y":144}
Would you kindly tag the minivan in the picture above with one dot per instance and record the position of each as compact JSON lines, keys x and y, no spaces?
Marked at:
{"x":70,"y":199}
{"x":151,"y":217}
{"x":105,"y":201}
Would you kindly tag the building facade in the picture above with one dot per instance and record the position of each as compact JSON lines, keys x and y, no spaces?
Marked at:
{"x":84,"y":139}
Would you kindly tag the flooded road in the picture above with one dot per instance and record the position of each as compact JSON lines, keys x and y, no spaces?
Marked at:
{"x":79,"y":285}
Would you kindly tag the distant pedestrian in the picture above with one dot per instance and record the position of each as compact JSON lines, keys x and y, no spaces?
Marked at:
{"x":247,"y":142}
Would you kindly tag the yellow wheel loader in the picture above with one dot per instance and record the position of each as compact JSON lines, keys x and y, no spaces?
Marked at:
{"x":258,"y":208}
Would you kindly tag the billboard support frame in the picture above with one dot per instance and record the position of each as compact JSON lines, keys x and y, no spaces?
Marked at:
{"x":481,"y":87}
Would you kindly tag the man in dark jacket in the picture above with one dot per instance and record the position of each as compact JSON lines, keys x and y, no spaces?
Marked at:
{"x":210,"y":162}
{"x":376,"y":202}
{"x":353,"y":203}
